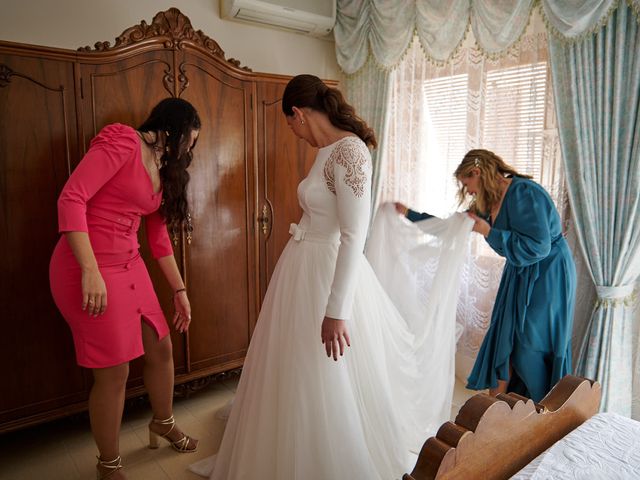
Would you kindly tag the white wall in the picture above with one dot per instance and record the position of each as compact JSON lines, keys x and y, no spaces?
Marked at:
{"x":76,"y":23}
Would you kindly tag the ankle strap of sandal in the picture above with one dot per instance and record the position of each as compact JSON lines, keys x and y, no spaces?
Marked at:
{"x":111,"y":464}
{"x":168,"y":421}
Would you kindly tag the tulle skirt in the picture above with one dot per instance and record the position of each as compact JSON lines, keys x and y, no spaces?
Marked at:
{"x":298,"y":414}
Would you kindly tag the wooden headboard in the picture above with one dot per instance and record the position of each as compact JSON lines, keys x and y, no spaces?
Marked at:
{"x":495,"y":437}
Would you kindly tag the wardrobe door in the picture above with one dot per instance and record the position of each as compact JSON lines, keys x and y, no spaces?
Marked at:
{"x":38,"y":143}
{"x":283,"y":162}
{"x":221,"y":251}
{"x":124,"y":89}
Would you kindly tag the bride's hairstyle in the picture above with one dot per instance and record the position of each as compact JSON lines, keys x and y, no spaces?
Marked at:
{"x":492,"y":169}
{"x":309,"y":91}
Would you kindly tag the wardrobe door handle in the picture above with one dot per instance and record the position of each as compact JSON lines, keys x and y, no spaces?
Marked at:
{"x":175,"y":235}
{"x":188,"y":227}
{"x":264,"y":220}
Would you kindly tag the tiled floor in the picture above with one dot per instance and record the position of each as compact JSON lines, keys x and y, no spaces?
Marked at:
{"x":64,"y":449}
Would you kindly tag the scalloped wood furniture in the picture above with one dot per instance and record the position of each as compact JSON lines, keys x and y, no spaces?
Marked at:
{"x":242,"y":194}
{"x":493,"y":438}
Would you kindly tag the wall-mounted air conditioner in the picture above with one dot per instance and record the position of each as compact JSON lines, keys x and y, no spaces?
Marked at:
{"x":311,"y":17}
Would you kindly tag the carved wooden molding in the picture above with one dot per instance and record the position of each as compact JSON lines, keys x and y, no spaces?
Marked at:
{"x":183,"y":79}
{"x":5,"y":78}
{"x":171,"y":26}
{"x":5,"y":75}
{"x":495,"y":437}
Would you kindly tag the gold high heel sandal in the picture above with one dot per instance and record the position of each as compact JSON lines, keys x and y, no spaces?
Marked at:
{"x":112,"y":466}
{"x":181,"y":445}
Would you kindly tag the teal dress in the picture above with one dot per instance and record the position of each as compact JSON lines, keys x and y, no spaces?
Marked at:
{"x":532,"y":317}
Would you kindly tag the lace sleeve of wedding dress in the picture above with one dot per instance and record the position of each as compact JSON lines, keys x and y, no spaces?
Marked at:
{"x":348,"y":175}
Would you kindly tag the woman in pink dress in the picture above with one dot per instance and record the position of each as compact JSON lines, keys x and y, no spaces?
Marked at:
{"x":99,"y":280}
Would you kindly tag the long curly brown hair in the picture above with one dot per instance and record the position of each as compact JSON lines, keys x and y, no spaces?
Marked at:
{"x":309,"y":91}
{"x":492,"y":170}
{"x":173,"y":119}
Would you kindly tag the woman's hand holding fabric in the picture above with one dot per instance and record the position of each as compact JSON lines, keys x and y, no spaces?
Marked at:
{"x":480,"y":226}
{"x":401,"y":208}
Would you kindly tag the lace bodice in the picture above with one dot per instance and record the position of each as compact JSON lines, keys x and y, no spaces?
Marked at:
{"x":336,"y":199}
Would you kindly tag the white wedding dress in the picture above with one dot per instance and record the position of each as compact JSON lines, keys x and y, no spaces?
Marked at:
{"x":300,"y":415}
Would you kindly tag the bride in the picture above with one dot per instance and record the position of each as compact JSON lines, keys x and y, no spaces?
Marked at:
{"x":335,"y":383}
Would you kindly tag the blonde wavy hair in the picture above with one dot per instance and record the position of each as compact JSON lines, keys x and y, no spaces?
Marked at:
{"x":492,"y":170}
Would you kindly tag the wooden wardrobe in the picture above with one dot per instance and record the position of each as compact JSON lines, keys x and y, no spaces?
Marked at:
{"x":242,"y":194}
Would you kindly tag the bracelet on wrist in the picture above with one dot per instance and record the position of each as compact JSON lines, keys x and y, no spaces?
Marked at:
{"x":179,"y":290}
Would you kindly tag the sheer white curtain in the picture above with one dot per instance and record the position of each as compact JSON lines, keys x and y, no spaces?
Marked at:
{"x":438,"y":112}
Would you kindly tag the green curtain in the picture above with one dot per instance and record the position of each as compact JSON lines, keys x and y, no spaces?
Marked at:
{"x":368,"y":90}
{"x":597,"y":89}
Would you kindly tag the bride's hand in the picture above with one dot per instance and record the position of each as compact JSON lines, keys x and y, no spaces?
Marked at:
{"x":334,"y":337}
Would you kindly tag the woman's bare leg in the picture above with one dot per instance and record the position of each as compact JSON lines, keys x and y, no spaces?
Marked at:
{"x":106,"y":404}
{"x":158,"y":372}
{"x":158,"y":379}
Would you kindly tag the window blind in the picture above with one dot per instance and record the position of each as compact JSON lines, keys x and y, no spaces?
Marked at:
{"x":513,"y":120}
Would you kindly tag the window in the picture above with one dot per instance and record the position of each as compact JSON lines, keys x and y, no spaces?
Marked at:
{"x":437,"y":112}
{"x":513,"y":120}
{"x":511,"y":115}
{"x":445,"y":104}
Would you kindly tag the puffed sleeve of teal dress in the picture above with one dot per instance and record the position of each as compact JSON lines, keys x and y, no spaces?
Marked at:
{"x":528,"y":239}
{"x":532,"y":317}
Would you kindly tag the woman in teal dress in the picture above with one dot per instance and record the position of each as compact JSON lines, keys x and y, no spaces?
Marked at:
{"x":527,"y":348}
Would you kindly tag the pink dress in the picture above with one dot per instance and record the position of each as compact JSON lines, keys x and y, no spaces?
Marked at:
{"x":106,"y":196}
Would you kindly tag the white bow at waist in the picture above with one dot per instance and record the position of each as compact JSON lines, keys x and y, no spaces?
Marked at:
{"x":300,"y":235}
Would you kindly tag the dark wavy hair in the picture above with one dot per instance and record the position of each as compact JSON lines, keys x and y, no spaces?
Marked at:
{"x":309,"y":91}
{"x":174,"y":119}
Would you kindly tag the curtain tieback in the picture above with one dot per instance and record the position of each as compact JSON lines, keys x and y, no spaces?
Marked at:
{"x":614,"y":295}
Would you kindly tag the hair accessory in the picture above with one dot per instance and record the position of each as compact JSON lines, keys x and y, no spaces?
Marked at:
{"x":476,"y":162}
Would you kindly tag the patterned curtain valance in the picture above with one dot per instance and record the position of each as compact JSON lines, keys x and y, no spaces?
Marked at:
{"x":384,"y":28}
